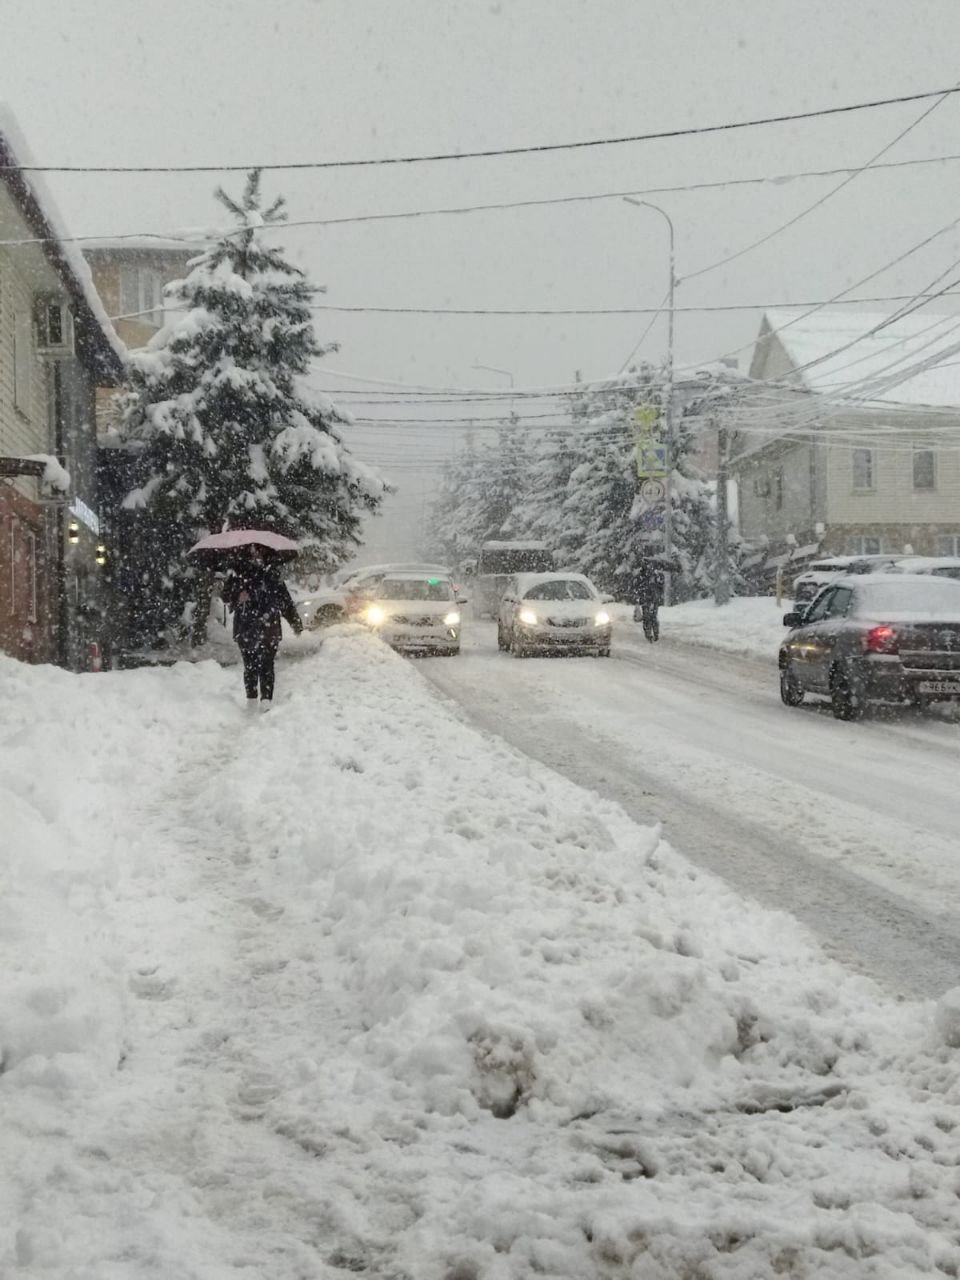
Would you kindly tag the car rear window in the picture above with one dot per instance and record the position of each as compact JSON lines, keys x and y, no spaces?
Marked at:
{"x":927,"y":595}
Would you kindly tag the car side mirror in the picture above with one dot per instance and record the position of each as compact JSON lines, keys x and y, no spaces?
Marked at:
{"x":608,"y":599}
{"x":463,"y":599}
{"x":794,"y":619}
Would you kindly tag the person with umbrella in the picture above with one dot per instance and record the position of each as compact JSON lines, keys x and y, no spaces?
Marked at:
{"x":259,"y":598}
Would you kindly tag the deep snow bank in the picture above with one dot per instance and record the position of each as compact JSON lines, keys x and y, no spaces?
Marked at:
{"x":349,"y":987}
{"x":749,"y":625}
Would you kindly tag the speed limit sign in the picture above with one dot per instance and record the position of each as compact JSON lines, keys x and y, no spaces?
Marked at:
{"x":652,"y":491}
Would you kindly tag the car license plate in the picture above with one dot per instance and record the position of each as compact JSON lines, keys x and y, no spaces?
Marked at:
{"x":940,"y":686}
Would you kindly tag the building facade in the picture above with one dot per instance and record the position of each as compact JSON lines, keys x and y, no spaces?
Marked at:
{"x":56,"y":349}
{"x":831,"y":463}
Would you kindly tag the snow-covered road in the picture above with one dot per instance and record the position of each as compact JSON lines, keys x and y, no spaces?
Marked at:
{"x":853,"y":828}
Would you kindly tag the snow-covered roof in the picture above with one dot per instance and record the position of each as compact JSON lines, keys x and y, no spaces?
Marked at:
{"x":913,"y":360}
{"x":30,"y":188}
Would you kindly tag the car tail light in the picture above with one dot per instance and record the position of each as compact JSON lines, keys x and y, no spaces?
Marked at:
{"x":880,"y":640}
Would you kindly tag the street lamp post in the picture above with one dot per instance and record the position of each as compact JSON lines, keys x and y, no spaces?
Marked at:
{"x":668,"y":407}
{"x":504,"y":372}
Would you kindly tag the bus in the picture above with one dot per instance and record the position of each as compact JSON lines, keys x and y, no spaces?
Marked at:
{"x":497,"y":563}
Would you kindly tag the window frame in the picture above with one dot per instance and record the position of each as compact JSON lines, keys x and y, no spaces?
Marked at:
{"x":871,"y":485}
{"x":919,"y":452}
{"x":954,"y":539}
{"x":23,"y":364}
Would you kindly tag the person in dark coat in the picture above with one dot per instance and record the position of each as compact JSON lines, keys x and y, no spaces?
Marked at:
{"x":259,"y":598}
{"x":648,"y":597}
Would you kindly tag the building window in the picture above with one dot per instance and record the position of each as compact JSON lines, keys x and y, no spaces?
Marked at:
{"x":924,"y":469}
{"x":23,"y":364}
{"x":863,"y":478}
{"x":948,"y":544}
{"x":861,"y":544}
{"x":141,"y":295}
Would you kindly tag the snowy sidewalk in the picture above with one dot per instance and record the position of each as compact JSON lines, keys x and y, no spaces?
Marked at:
{"x":748,"y":626}
{"x":349,"y":988}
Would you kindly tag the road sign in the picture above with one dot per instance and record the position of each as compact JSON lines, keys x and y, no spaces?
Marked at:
{"x":645,"y":419}
{"x":652,"y":491}
{"x":651,"y":459}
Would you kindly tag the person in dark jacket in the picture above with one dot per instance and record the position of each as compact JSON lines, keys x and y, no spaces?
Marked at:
{"x":259,"y":598}
{"x":648,"y":597}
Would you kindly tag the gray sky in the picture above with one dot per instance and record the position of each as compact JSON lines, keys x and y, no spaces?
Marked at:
{"x":105,"y":81}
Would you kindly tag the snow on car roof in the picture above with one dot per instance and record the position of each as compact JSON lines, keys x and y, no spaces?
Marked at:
{"x":921,"y":564}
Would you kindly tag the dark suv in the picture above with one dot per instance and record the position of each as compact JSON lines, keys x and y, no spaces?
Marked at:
{"x":875,"y":638}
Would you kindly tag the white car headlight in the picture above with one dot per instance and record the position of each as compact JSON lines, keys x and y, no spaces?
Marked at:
{"x":374,"y":615}
{"x":528,"y":617}
{"x":602,"y":619}
{"x":452,"y":619}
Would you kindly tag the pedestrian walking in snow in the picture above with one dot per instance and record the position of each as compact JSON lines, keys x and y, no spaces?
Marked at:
{"x":259,"y":598}
{"x":648,"y":597}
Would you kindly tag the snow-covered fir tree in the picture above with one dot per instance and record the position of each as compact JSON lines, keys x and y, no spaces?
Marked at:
{"x":481,"y":494}
{"x":231,"y":435}
{"x":591,"y":514}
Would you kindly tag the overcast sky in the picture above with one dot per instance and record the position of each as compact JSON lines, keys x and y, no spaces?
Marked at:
{"x":244,"y":82}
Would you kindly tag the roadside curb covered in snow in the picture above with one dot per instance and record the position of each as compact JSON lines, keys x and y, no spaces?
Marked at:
{"x":350,"y":987}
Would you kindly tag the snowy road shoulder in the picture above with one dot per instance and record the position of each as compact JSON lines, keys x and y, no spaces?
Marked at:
{"x":351,"y":987}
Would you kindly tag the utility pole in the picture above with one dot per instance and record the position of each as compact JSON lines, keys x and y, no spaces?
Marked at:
{"x":668,"y":433}
{"x":721,"y":591}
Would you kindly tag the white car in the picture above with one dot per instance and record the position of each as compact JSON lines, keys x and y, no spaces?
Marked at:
{"x":935,"y":566}
{"x":553,"y":611}
{"x":338,"y":604}
{"x":820,"y":573}
{"x":414,"y":612}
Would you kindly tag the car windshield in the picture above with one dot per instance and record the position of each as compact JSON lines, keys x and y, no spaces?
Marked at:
{"x":921,"y":596}
{"x":414,"y":589}
{"x":559,"y":589}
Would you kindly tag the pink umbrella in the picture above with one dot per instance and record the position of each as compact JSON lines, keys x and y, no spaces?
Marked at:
{"x":233,"y":539}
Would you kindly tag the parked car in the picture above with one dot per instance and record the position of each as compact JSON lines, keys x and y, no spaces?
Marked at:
{"x":543,"y":611}
{"x":414,"y":612}
{"x":875,"y":638}
{"x":936,"y":566}
{"x":819,"y":573}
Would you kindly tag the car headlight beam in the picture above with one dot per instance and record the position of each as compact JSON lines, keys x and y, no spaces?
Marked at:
{"x":452,"y":619}
{"x":527,"y":617}
{"x":602,"y":619}
{"x":374,"y":615}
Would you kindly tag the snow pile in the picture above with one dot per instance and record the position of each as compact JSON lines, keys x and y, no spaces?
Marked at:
{"x":55,"y":475}
{"x":349,"y":988}
{"x":749,"y":625}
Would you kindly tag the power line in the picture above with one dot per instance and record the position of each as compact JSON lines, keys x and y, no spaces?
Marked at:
{"x":828,"y":195}
{"x":843,"y":293}
{"x":566,"y":311}
{"x":192,"y":239}
{"x":535,"y":149}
